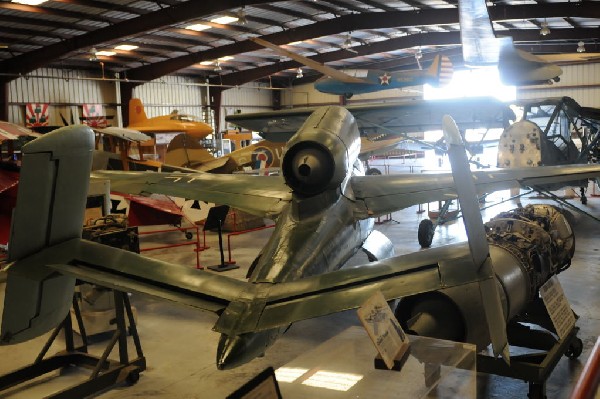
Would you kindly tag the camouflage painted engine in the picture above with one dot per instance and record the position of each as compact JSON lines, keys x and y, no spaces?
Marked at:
{"x":318,"y":157}
{"x":527,"y":246}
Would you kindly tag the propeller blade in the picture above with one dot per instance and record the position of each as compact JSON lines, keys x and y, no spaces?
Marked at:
{"x":467,"y":197}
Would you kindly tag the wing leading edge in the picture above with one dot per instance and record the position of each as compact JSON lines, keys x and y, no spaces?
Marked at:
{"x":379,"y":195}
{"x":259,"y":195}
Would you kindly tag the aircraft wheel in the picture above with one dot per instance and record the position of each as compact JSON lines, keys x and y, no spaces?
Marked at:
{"x":348,"y":95}
{"x":133,"y":377}
{"x":373,"y":172}
{"x":425,"y":233}
{"x":574,"y":349}
{"x":189,"y":235}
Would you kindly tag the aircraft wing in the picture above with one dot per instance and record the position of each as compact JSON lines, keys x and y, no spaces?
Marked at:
{"x":258,"y":195}
{"x":317,"y":66}
{"x":400,"y":117}
{"x":480,"y":46}
{"x":379,"y":195}
{"x":369,"y":148}
{"x":319,"y":295}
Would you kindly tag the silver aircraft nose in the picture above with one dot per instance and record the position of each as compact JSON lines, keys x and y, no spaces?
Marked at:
{"x":233,"y":351}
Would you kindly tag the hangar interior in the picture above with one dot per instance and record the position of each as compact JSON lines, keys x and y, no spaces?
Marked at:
{"x":61,"y":58}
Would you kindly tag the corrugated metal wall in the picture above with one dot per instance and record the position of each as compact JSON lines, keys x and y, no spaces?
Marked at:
{"x":253,"y":97}
{"x":581,"y":82}
{"x":65,"y":91}
{"x":162,"y":96}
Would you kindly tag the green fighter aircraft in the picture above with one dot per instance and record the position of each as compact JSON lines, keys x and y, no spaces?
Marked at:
{"x":324,"y":208}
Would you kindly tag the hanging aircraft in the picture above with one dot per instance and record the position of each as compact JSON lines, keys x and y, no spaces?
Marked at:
{"x":174,"y":122}
{"x":482,"y":48}
{"x":360,"y":81}
{"x":324,"y":207}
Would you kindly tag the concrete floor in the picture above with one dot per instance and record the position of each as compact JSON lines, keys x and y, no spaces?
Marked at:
{"x":180,"y":346}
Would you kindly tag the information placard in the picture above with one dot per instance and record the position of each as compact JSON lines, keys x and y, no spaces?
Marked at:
{"x":558,"y":306}
{"x":383,"y":329}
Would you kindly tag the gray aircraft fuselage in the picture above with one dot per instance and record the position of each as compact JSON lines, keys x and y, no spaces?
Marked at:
{"x":317,"y":232}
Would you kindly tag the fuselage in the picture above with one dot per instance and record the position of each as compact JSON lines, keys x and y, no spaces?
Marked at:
{"x":316,"y":233}
{"x":375,"y":80}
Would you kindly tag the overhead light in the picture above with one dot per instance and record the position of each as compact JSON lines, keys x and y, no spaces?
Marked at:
{"x":29,"y":2}
{"x":294,"y":43}
{"x":92,"y":56}
{"x":197,"y":27}
{"x":226,"y":58}
{"x":545,"y":30}
{"x":207,"y":62}
{"x":126,"y":47}
{"x":581,"y":47}
{"x":3,"y":45}
{"x":299,"y":73}
{"x":224,"y":20}
{"x":105,"y":53}
{"x":218,"y":67}
{"x":348,"y":42}
{"x":242,"y":16}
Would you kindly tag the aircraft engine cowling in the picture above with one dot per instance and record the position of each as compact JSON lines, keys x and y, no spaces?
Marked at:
{"x":527,"y":247}
{"x":318,"y":157}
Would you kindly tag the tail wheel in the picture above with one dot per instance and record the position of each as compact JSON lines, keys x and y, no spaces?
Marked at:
{"x":425,"y":233}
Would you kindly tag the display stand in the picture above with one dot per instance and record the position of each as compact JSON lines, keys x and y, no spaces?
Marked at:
{"x":105,"y":372}
{"x":215,"y":219}
{"x":342,"y":367}
{"x":542,"y":350}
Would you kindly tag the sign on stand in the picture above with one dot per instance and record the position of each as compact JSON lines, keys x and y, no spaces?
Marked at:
{"x":558,"y":307}
{"x":384,"y":330}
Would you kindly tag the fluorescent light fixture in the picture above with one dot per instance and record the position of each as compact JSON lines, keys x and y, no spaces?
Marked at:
{"x":207,"y":62}
{"x":293,"y":43}
{"x":29,"y":2}
{"x":226,"y":58}
{"x":197,"y":27}
{"x":289,"y":374}
{"x":224,"y":20}
{"x":105,"y":53}
{"x":332,"y":380}
{"x":126,"y":47}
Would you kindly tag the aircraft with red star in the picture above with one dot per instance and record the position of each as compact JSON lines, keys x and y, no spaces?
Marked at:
{"x":359,"y":81}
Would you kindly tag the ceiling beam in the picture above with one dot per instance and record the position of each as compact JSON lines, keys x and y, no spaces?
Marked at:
{"x":424,"y":39}
{"x":154,"y":20}
{"x":354,"y":22}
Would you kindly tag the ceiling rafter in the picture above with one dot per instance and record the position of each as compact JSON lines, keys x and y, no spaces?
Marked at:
{"x":373,"y":20}
{"x":425,"y":39}
{"x":153,"y":20}
{"x":57,"y":12}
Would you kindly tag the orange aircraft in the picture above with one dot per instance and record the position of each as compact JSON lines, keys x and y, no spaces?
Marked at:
{"x":174,"y":122}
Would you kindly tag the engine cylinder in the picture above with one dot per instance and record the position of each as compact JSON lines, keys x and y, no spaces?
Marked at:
{"x":320,"y":154}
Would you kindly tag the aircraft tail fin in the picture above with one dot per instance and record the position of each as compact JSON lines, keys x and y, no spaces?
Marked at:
{"x":137,"y":114}
{"x":50,"y":208}
{"x":442,"y":69}
{"x":478,"y":245}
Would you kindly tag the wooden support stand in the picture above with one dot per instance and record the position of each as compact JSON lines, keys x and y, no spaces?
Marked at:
{"x":105,"y":372}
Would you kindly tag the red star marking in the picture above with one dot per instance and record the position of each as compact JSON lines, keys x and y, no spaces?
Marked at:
{"x":384,"y":79}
